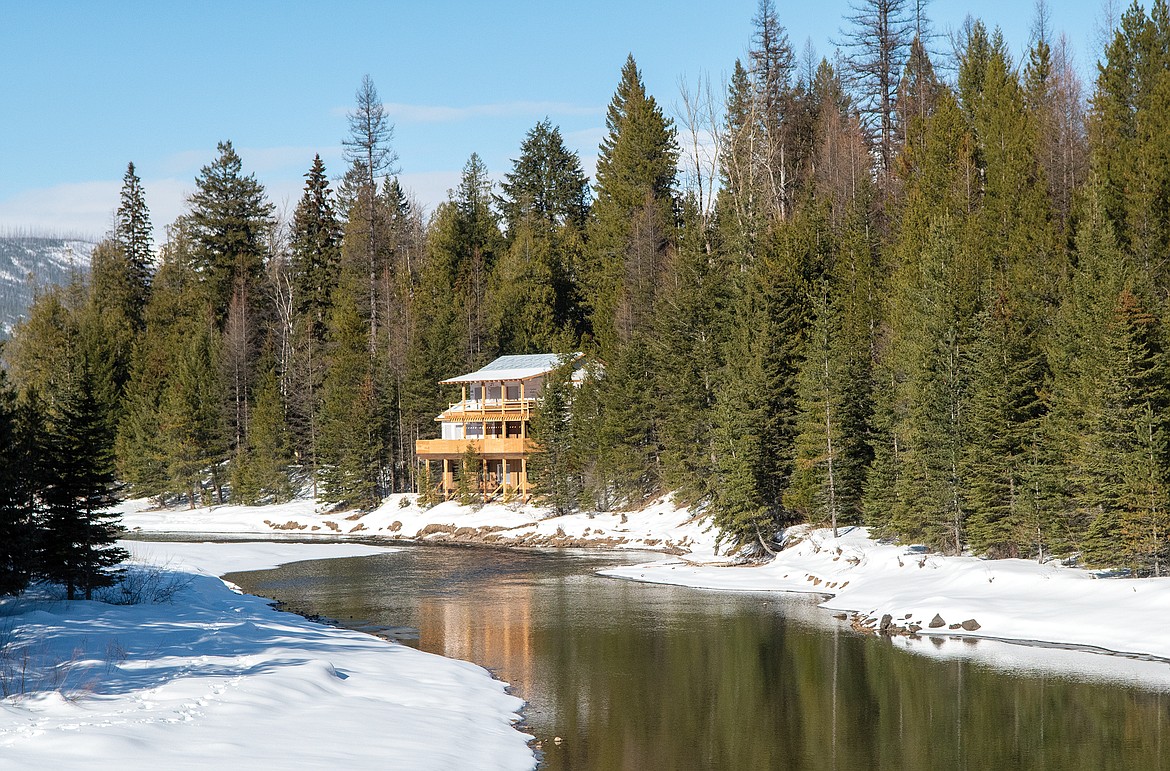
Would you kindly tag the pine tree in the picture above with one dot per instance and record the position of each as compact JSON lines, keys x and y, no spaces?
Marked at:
{"x":260,"y":472}
{"x":228,"y":223}
{"x":521,"y":302}
{"x":314,"y":273}
{"x":627,"y":446}
{"x":351,"y":433}
{"x":469,"y":486}
{"x":689,"y":336}
{"x":633,"y":216}
{"x":1132,"y":518}
{"x":833,"y":391}
{"x":177,"y":305}
{"x":133,"y":234}
{"x":1128,"y":134}
{"x":553,"y":469}
{"x":930,"y":355}
{"x":78,"y":543}
{"x":546,"y":182}
{"x":755,"y":407}
{"x":189,"y":417}
{"x":116,"y":304}
{"x":476,"y":247}
{"x":369,"y":151}
{"x":1109,"y":382}
{"x":1006,"y":408}
{"x":315,"y":243}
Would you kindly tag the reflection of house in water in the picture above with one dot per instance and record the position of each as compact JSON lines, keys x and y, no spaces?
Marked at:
{"x":491,"y":421}
{"x":494,"y":631}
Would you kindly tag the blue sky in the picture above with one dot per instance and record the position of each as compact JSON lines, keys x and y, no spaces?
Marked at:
{"x":89,"y":86}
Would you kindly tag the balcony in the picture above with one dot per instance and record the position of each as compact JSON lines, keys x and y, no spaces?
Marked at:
{"x":488,"y":410}
{"x":490,"y":447}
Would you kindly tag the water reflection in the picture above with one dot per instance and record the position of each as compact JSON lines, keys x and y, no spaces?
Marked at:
{"x":637,"y":676}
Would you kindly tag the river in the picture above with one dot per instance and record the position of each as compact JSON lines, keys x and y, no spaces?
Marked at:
{"x":622,"y":675}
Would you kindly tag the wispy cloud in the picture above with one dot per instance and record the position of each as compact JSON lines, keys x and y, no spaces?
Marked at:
{"x":84,"y":208}
{"x":87,"y":208}
{"x":424,"y":113}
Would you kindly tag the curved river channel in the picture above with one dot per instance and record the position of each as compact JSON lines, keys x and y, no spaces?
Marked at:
{"x":639,"y":676}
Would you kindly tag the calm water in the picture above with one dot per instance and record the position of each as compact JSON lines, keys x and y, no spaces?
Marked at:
{"x":637,"y":676}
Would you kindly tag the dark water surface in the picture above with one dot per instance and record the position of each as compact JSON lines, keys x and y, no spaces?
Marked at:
{"x":639,"y":676}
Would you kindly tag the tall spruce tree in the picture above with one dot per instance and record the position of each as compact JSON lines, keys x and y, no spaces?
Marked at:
{"x":78,"y":546}
{"x":633,"y":211}
{"x":314,"y":273}
{"x":134,"y":235}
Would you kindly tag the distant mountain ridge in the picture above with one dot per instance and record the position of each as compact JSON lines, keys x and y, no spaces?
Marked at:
{"x":31,"y":262}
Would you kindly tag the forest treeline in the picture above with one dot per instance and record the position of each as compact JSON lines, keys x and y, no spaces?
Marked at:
{"x":849,"y":291}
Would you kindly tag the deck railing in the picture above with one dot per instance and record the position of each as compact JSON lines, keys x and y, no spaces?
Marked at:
{"x":488,"y":409}
{"x":487,"y":446}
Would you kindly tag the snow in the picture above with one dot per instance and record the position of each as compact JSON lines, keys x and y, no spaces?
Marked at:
{"x":219,"y":679}
{"x":659,"y":526}
{"x":1013,"y":600}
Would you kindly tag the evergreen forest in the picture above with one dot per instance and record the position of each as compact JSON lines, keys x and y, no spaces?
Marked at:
{"x":923,"y":286}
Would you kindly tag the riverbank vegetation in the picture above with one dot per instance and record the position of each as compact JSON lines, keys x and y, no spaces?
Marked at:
{"x":920,"y":286}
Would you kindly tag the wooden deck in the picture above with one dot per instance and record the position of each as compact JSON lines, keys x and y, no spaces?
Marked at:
{"x":490,"y":447}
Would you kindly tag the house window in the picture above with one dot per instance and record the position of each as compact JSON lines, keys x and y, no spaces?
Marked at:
{"x":475,"y":430}
{"x":513,"y":392}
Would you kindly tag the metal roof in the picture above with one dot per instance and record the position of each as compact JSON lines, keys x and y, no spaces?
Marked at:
{"x":522,"y":367}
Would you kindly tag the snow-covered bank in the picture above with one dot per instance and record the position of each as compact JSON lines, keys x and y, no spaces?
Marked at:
{"x":1014,"y":600}
{"x":659,"y":526}
{"x":218,"y":679}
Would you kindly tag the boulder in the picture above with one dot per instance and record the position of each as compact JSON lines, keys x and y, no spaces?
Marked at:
{"x":887,"y":619}
{"x":937,"y":622}
{"x":970,"y":625}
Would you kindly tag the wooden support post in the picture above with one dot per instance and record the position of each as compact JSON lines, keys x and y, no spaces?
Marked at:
{"x":426,"y":477}
{"x":524,"y":477}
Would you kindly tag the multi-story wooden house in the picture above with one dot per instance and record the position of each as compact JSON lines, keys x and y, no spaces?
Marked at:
{"x":491,"y":418}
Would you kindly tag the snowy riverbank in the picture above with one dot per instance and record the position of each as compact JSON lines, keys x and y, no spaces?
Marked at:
{"x":215,"y":679}
{"x":660,"y":526}
{"x":1014,"y":600}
